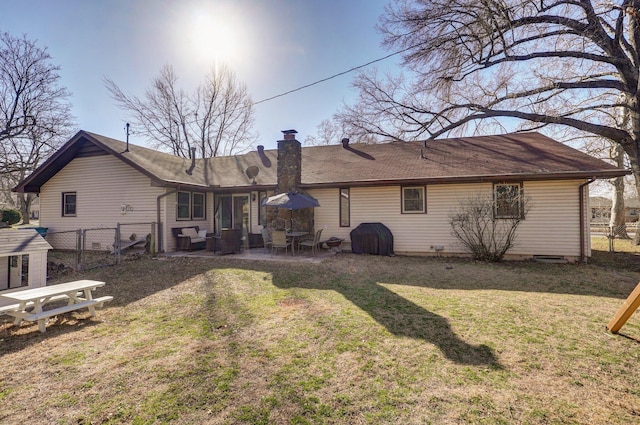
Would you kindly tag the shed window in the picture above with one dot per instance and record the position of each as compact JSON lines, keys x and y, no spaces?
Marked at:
{"x":414,"y":200}
{"x":69,"y":204}
{"x":508,"y":199}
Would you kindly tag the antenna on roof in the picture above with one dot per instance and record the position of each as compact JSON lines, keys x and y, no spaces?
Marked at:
{"x":127,"y":132}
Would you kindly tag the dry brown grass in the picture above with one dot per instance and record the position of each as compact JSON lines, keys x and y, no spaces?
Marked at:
{"x":357,"y":339}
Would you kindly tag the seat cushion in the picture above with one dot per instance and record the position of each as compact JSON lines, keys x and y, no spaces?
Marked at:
{"x":190,"y":231}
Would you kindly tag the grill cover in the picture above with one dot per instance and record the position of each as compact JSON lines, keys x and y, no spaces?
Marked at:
{"x":372,"y":238}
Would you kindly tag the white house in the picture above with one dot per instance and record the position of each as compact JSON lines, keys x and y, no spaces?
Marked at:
{"x":410,"y":187}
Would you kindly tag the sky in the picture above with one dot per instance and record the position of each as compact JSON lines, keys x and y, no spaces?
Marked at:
{"x":273,"y":46}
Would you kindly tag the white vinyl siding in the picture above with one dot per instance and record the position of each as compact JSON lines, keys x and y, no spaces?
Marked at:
{"x":550,"y":228}
{"x":108,"y":192}
{"x":103,"y":185}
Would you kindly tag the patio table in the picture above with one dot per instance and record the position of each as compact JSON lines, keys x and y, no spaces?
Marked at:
{"x":293,"y":236}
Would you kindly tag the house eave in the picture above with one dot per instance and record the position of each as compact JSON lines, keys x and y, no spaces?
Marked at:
{"x":34,"y":182}
{"x":600,"y":174}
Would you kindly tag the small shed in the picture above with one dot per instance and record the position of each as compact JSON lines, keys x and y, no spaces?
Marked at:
{"x":23,"y":259}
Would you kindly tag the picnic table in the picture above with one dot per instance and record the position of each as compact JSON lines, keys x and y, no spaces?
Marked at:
{"x":30,"y":302}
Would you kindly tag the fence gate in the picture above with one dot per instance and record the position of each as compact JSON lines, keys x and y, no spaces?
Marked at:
{"x":85,"y":249}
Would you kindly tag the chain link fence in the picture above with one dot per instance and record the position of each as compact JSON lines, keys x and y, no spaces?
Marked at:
{"x":85,"y":249}
{"x":611,"y":233}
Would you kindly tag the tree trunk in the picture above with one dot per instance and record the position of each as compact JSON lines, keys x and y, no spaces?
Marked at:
{"x":634,"y":160}
{"x":617,"y":223}
{"x":24,"y":200}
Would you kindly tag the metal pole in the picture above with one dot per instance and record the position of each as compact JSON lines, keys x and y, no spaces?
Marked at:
{"x":84,"y":247}
{"x":611,"y":237}
{"x":118,"y":246}
{"x":152,"y":242}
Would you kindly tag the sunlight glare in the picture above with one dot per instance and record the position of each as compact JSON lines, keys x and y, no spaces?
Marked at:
{"x":214,"y":39}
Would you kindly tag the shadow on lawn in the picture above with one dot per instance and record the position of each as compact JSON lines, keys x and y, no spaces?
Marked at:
{"x":15,"y":338}
{"x":400,"y":317}
{"x":127,"y":283}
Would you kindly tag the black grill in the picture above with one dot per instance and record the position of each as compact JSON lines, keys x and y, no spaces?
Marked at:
{"x":372,"y":238}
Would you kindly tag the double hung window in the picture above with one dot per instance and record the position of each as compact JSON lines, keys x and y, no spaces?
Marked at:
{"x":69,"y":204}
{"x":508,"y":200}
{"x":414,"y":200}
{"x":191,"y":206}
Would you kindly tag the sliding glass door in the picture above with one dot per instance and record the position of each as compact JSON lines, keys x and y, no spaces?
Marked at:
{"x":232,"y":212}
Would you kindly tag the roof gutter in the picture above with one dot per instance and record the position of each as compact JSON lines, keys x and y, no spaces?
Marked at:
{"x":160,"y":224}
{"x":581,"y":201}
{"x":465,"y":179}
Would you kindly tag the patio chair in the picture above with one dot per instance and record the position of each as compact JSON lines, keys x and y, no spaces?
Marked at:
{"x":279,"y":241}
{"x":231,"y":241}
{"x":314,"y":243}
{"x":266,"y":238}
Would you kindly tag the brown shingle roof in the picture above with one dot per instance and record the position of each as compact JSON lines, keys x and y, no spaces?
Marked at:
{"x":529,"y":156}
{"x":511,"y":156}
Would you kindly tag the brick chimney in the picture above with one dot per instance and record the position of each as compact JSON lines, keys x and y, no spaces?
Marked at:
{"x":289,"y":162}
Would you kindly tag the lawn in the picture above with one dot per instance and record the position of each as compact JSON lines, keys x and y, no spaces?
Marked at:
{"x":354,"y":340}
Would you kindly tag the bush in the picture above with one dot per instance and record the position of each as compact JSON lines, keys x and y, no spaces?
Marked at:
{"x":487,"y":238}
{"x":11,"y":216}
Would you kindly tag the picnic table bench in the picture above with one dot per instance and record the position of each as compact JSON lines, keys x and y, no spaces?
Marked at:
{"x":30,"y":302}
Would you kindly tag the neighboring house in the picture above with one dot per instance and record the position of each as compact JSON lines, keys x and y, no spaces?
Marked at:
{"x":23,"y":260}
{"x":34,"y":210}
{"x":411,"y":187}
{"x":601,"y":209}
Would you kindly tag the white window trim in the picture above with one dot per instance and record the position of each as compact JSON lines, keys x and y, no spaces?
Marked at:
{"x":424,"y":200}
{"x":520,"y":214}
{"x":64,"y":204}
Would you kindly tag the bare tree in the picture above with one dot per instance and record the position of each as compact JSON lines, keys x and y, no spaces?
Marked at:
{"x":613,"y":153}
{"x":217,"y":118}
{"x":35,"y":117}
{"x":482,"y":230}
{"x":618,"y":217}
{"x":476,"y":63}
{"x":328,"y":132}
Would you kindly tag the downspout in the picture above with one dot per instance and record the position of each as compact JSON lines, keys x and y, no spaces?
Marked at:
{"x":160,"y":226}
{"x":583,"y":254}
